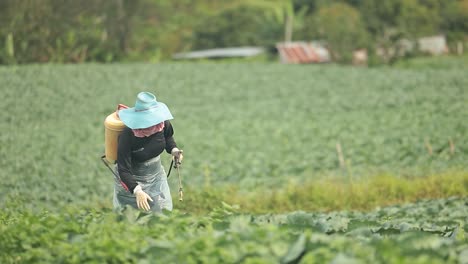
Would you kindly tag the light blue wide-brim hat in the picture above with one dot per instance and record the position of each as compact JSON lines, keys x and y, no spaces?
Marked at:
{"x":147,"y":112}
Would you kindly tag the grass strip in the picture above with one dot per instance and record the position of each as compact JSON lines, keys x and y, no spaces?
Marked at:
{"x":328,"y":194}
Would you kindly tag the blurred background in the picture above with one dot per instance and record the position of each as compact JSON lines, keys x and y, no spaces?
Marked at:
{"x":360,"y":32}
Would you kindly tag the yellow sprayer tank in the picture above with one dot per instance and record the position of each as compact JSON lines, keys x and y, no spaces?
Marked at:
{"x":113,"y":127}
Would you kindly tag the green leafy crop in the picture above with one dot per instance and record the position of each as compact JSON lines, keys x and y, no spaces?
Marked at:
{"x":284,"y":137}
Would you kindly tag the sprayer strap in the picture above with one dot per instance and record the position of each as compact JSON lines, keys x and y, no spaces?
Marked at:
{"x":103,"y":158}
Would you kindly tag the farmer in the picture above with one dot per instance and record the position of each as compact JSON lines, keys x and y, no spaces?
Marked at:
{"x":148,"y":132}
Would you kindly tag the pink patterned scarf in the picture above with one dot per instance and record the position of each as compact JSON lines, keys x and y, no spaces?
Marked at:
{"x":146,"y":132}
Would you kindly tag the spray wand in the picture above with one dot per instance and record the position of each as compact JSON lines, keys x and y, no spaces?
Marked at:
{"x":176,"y":165}
{"x":181,"y":190}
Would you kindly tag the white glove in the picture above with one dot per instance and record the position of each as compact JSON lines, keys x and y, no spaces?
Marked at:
{"x":142,"y":198}
{"x":177,"y":155}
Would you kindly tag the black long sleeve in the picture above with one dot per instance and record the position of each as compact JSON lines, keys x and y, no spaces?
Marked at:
{"x":132,"y":149}
{"x":124,"y":159}
{"x":168,"y":134}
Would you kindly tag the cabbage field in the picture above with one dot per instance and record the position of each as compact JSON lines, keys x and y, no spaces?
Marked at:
{"x":425,"y":232}
{"x":283,"y":164}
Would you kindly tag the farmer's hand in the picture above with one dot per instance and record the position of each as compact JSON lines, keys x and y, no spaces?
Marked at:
{"x":177,"y":155}
{"x":142,"y":198}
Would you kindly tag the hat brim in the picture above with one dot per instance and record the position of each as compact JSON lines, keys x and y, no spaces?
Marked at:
{"x":144,"y":119}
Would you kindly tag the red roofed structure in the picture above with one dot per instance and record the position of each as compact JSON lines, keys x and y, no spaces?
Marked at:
{"x":302,"y":52}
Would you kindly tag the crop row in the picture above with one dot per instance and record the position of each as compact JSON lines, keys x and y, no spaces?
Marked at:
{"x":429,"y":231}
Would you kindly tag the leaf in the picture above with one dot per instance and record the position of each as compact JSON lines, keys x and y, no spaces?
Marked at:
{"x":296,"y":251}
{"x":341,"y":258}
{"x":463,"y":257}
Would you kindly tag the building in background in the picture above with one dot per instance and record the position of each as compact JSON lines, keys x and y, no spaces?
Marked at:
{"x":434,"y":45}
{"x":221,"y":53}
{"x":302,"y":52}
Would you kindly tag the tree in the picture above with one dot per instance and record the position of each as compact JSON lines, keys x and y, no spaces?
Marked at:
{"x":341,"y":26}
{"x":281,"y":10}
{"x":394,"y":22}
{"x":454,"y":19}
{"x":241,"y":26}
{"x":417,"y":20}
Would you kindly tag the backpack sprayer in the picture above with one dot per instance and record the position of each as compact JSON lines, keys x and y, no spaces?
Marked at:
{"x":113,"y":127}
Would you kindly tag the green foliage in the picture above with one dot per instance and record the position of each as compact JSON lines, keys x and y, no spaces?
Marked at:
{"x":341,"y":26}
{"x":455,"y":19}
{"x":413,"y":233}
{"x":327,"y":194}
{"x":417,"y":20}
{"x":148,"y":30}
{"x":252,"y":125}
{"x":389,"y":22}
{"x":442,"y":62}
{"x":267,"y":130}
{"x":245,"y":26}
{"x":67,"y":31}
